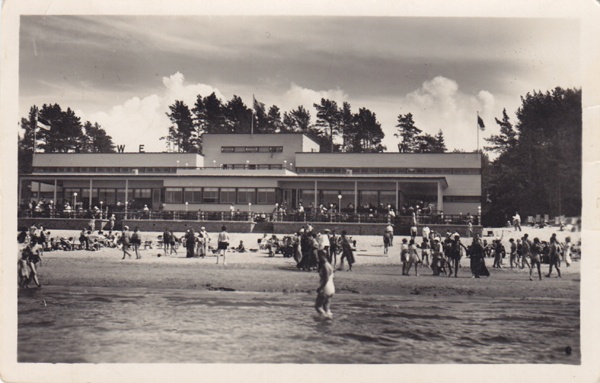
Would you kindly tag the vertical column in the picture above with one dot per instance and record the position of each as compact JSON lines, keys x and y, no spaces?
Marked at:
{"x":90,"y":199}
{"x":127,"y":196}
{"x":440,"y":197}
{"x":397,"y":199}
{"x":316,"y":192}
{"x":355,"y":196}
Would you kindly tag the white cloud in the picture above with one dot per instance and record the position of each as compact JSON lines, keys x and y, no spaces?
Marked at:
{"x":440,"y":104}
{"x":144,"y":120}
{"x":297,"y":95}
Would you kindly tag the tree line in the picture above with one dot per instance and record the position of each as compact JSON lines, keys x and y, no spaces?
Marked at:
{"x":360,"y":132}
{"x":50,"y":129}
{"x":538,"y":168}
{"x":336,"y":128}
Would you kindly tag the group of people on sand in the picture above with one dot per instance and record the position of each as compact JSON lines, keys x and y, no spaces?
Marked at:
{"x":196,"y":243}
{"x":307,"y":244}
{"x":446,"y":254}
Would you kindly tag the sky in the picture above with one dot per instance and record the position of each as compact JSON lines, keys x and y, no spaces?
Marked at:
{"x":124,"y":71}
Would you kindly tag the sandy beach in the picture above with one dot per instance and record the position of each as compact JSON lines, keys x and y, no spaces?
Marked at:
{"x":493,"y":318}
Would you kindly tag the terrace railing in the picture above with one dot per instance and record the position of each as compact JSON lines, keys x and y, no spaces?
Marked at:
{"x":249,"y":216}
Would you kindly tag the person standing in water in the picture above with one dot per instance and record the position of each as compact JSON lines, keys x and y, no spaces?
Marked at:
{"x":326,"y":287}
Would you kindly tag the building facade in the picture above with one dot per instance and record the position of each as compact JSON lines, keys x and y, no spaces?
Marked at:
{"x":254,"y":172}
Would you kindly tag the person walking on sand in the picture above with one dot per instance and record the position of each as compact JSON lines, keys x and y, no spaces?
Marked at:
{"x":346,"y":252}
{"x":567,"y":246}
{"x":390,"y":231}
{"x":333,"y":248}
{"x":386,"y":241}
{"x":326,"y":287}
{"x":125,"y":241}
{"x":404,"y":255}
{"x":455,"y":254}
{"x":554,"y":257}
{"x":476,"y":253}
{"x":425,"y":251}
{"x":525,"y":251}
{"x":413,"y":257}
{"x":190,"y":243}
{"x":222,"y":244}
{"x":513,"y":253}
{"x":438,"y":261}
{"x":167,"y":239}
{"x":136,"y":241}
{"x":536,"y":254}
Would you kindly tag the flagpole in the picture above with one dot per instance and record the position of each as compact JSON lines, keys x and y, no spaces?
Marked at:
{"x":477,"y":127}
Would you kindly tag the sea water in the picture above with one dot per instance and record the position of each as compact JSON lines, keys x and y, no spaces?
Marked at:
{"x":129,"y":325}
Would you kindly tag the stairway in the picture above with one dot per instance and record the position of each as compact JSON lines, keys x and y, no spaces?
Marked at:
{"x":263,"y":227}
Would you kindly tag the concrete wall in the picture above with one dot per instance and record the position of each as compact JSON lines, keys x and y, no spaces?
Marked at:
{"x":238,"y":226}
{"x":117,"y":159}
{"x":389,"y":160}
{"x":181,"y":226}
{"x":291,"y":144}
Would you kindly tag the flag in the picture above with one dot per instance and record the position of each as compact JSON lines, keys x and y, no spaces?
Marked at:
{"x":258,"y":106}
{"x":480,"y":123}
{"x":45,"y":123}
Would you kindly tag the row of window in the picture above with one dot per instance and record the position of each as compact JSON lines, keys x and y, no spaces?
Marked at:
{"x":252,"y":166}
{"x":388,"y":170}
{"x":110,"y":196}
{"x":251,"y":149}
{"x":260,"y":196}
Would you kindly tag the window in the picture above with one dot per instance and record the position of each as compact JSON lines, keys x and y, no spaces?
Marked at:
{"x":227,"y":149}
{"x":174,"y":195}
{"x":85,"y":193}
{"x":108,"y":196}
{"x":192,"y":195}
{"x":121,"y":195}
{"x":307,"y":197}
{"x":246,"y":195}
{"x":210,"y":195}
{"x":227,"y":195}
{"x":276,"y":149}
{"x":387,"y":198}
{"x":251,"y":149}
{"x":265,"y":196}
{"x":142,"y":193}
{"x":368,"y":198}
{"x":68,"y":194}
{"x":329,"y":197}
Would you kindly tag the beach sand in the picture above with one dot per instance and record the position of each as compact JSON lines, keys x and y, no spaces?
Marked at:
{"x":505,"y":318}
{"x":373,"y":272}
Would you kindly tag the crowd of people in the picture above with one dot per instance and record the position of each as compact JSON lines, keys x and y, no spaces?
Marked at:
{"x":446,"y":253}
